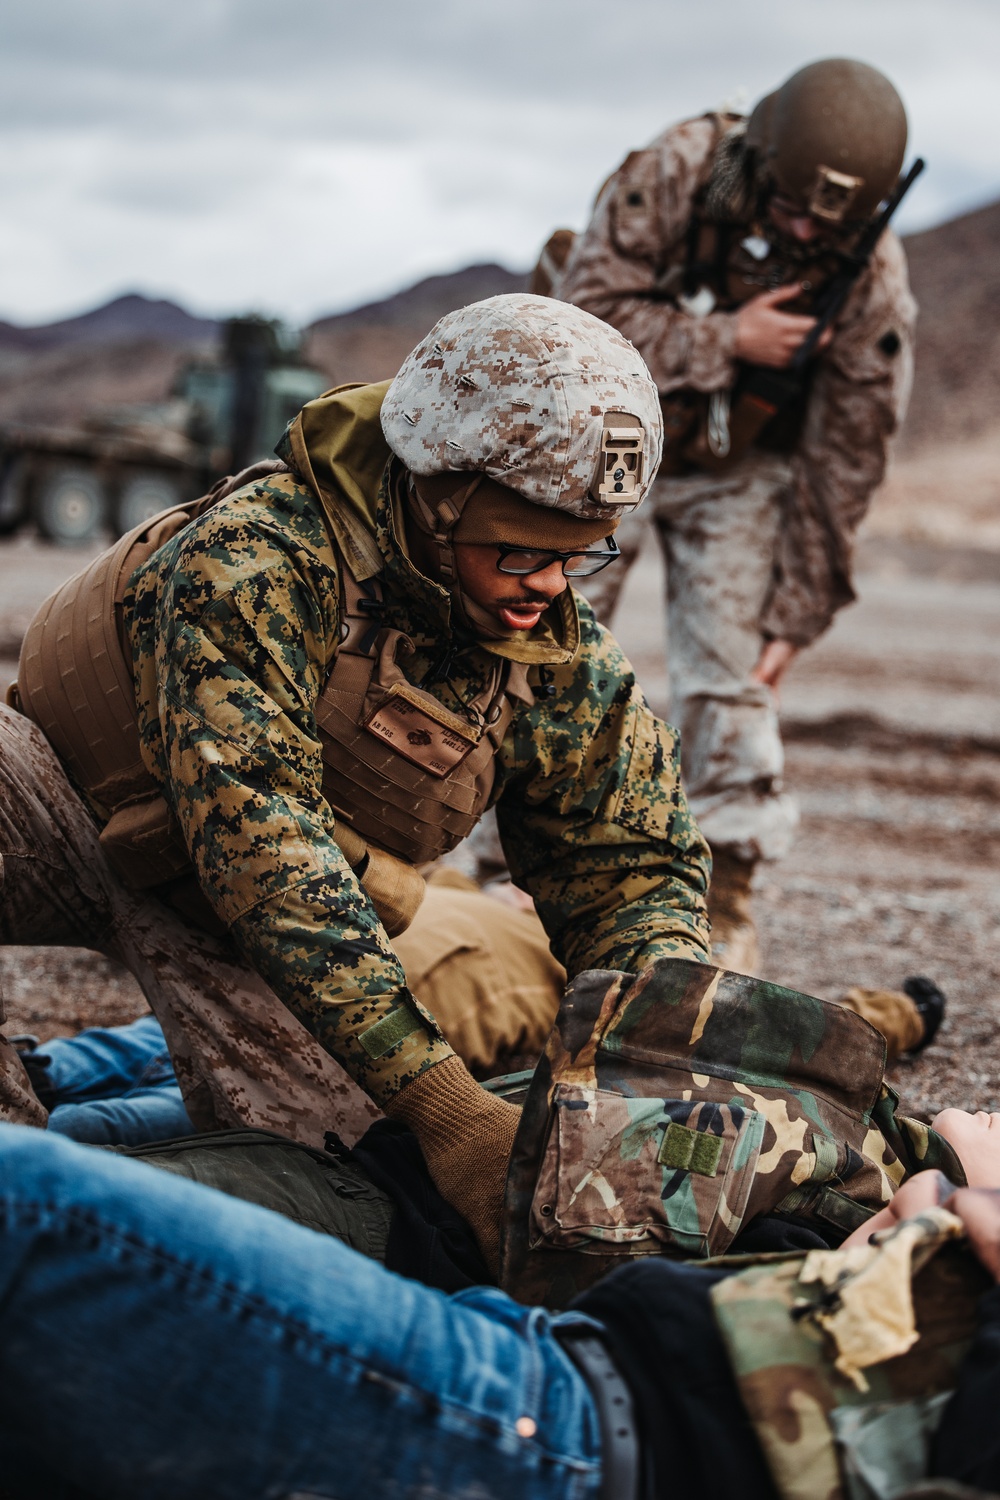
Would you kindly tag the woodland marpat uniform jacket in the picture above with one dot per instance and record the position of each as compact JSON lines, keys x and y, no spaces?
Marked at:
{"x":234,"y":626}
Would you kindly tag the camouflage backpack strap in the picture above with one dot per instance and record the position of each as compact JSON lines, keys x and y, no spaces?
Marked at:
{"x":845,"y":1358}
{"x":905,"y":1146}
{"x":673,"y":1107}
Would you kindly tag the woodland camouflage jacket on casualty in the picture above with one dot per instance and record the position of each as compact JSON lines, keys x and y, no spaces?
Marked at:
{"x":862,"y":381}
{"x":234,"y":626}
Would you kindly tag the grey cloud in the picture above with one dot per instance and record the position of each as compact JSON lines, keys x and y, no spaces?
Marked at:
{"x":138,"y":141}
{"x":557,"y":49}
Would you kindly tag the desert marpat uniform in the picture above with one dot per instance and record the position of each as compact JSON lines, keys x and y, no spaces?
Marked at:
{"x":763,"y":550}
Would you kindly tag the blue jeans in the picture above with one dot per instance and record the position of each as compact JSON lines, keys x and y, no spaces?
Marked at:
{"x":114,"y":1086}
{"x":161,"y":1341}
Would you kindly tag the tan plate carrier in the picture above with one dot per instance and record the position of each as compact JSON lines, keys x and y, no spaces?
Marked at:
{"x":408,"y":776}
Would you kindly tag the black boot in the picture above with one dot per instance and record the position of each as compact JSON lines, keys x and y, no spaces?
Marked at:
{"x":930,"y":1002}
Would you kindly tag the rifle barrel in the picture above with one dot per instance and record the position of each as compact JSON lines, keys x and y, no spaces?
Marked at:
{"x":845,"y":280}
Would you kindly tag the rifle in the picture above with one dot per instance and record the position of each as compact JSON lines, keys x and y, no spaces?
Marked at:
{"x":762,"y":393}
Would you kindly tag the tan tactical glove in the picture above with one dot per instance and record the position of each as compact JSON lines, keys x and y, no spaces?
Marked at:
{"x":466,"y":1135}
{"x":394,"y":887}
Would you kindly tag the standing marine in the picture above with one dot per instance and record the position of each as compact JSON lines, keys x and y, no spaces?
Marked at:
{"x":712,"y":250}
{"x":239,"y":734}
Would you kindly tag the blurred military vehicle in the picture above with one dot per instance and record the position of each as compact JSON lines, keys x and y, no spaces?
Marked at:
{"x":111,"y":470}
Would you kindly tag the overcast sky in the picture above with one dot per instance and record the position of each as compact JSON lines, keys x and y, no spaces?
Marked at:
{"x":298,"y":158}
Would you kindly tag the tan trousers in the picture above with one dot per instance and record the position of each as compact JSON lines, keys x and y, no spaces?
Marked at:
{"x":483,"y":969}
{"x":718,"y":535}
{"x":892,"y":1013}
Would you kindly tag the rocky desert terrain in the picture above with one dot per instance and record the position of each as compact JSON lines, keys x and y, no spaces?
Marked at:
{"x":892,"y":722}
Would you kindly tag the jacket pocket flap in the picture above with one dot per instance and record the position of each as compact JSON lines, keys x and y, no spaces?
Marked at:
{"x":634,"y":1174}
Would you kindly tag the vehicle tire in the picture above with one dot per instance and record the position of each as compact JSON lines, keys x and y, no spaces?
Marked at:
{"x":143,"y":496}
{"x":13,"y":497}
{"x":70,"y":506}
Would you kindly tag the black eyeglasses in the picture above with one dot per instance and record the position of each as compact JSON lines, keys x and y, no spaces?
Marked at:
{"x":525,"y":560}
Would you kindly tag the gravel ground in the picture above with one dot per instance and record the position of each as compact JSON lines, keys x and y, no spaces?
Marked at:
{"x":892,"y":730}
{"x":893,"y":738}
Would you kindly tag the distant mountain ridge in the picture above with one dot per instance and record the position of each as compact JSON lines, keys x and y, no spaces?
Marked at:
{"x":126,"y":318}
{"x":428,"y":300}
{"x":133,"y":316}
{"x":371,"y":342}
{"x":955,"y":275}
{"x":130,"y":349}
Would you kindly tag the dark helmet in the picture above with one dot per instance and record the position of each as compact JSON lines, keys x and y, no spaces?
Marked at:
{"x":832,"y":138}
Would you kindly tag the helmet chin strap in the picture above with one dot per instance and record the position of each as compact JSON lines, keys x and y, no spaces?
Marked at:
{"x":477,"y":619}
{"x":437,"y":520}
